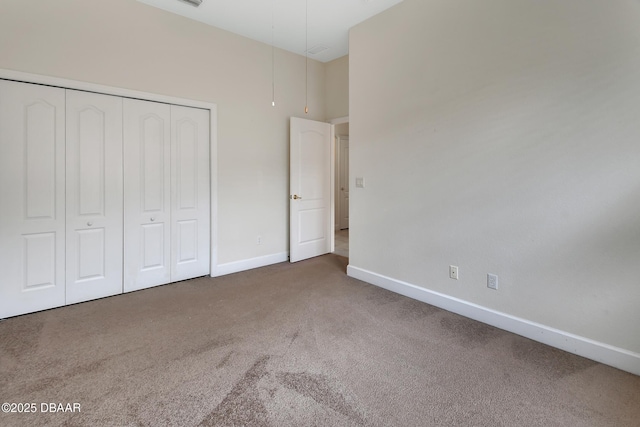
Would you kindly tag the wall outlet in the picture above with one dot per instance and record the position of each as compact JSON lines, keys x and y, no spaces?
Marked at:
{"x":359,"y":182}
{"x":453,"y":272}
{"x":492,"y":281}
{"x":259,"y":240}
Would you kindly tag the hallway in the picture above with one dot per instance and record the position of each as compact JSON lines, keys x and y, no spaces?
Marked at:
{"x":342,"y":243}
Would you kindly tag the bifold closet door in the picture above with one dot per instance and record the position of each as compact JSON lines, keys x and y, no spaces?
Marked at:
{"x":147,"y":208}
{"x":190,"y":241}
{"x":94,"y":196}
{"x":32,"y":198}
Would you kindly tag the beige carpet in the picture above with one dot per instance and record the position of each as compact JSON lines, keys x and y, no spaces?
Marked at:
{"x":294,"y":345}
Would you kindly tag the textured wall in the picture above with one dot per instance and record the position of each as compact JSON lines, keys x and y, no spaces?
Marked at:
{"x":337,"y":88}
{"x":502,"y":136}
{"x":128,"y":44}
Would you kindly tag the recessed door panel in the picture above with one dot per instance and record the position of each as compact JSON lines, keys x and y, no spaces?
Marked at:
{"x":186,"y":164}
{"x":153,"y":244}
{"x":32,"y":199}
{"x":190,"y":229}
{"x":147,"y":213}
{"x":94,"y":196}
{"x":91,"y":158}
{"x":311,"y":225}
{"x":40,"y":160}
{"x":187,"y":241}
{"x":312,"y":164}
{"x":152,"y":162}
{"x":39,"y":261}
{"x":91,"y":254}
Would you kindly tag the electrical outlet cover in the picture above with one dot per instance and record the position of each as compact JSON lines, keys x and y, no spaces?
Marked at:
{"x":492,"y":281}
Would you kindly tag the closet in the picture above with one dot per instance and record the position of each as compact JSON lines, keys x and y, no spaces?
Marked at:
{"x":166,"y":170}
{"x":99,"y":195}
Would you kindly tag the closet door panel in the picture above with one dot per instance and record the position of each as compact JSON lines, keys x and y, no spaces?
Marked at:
{"x":32,"y":208}
{"x":94,"y":196}
{"x":147,"y":168}
{"x":190,"y":241}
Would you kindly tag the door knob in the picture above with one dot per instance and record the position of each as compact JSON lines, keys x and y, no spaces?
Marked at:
{"x":89,"y":224}
{"x":153,"y":219}
{"x":296,"y":197}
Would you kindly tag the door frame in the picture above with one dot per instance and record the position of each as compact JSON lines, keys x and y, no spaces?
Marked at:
{"x":334,"y":208}
{"x":340,"y":140}
{"x":23,"y":77}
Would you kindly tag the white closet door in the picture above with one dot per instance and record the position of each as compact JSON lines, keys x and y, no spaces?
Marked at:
{"x":147,"y":166}
{"x":94,"y":196}
{"x":189,"y":193}
{"x":32,"y":205}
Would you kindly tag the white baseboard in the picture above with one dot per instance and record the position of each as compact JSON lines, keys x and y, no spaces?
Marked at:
{"x":600,"y":352}
{"x":248,"y":264}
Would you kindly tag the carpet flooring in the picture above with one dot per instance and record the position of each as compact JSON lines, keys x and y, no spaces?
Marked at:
{"x":293,"y":345}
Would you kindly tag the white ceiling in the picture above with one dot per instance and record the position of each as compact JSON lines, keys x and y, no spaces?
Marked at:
{"x":329,"y":20}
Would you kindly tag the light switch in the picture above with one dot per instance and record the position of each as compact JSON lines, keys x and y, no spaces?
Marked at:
{"x":359,"y":182}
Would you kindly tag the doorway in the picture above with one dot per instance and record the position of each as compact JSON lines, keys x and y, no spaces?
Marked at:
{"x":319,"y":188}
{"x":341,"y":202}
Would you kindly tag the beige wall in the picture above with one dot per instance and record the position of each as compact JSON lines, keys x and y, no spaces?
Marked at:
{"x":337,"y":88}
{"x":342,"y":129}
{"x":128,"y":44}
{"x":503,"y":137}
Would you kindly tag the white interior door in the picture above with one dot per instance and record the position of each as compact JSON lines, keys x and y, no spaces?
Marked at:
{"x":344,"y":182}
{"x":190,"y":233}
{"x":32,"y":204}
{"x":147,"y":212}
{"x":94,"y":196}
{"x":311,"y":215}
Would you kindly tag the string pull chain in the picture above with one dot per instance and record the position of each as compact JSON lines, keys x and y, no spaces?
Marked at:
{"x":273,"y":59}
{"x":306,"y":57}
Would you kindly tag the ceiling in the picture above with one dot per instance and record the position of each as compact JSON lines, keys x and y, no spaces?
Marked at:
{"x":329,"y":21}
